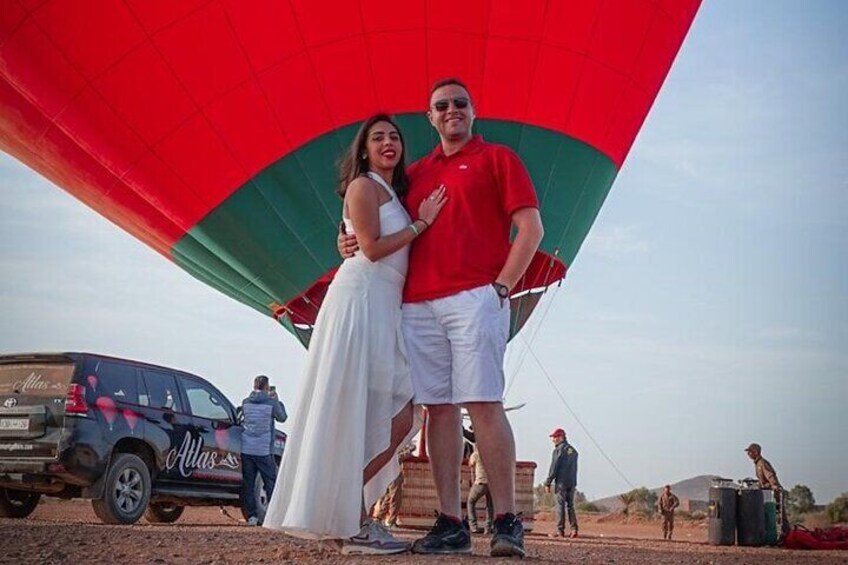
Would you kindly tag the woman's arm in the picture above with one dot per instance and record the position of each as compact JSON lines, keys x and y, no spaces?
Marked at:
{"x":363,"y":207}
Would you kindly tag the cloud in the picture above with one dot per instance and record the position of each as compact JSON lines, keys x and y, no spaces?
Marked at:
{"x":788,"y":335}
{"x":614,"y":242}
{"x":32,"y":202}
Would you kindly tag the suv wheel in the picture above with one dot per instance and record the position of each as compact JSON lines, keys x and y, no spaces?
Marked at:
{"x":159,"y":513}
{"x":126,"y":493}
{"x":17,"y":503}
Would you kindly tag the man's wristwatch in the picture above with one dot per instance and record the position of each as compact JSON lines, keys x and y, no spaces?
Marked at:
{"x":501,"y":289}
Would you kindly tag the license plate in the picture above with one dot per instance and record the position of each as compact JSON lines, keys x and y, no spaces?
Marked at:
{"x":14,"y":424}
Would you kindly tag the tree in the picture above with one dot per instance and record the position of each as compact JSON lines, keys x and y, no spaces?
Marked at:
{"x":579,"y":497}
{"x":546,"y":501}
{"x":837,"y":510}
{"x":800,"y":500}
{"x":639,"y":500}
{"x":626,"y":499}
{"x":590,"y":507}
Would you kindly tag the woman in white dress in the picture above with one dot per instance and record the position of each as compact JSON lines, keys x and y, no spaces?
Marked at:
{"x":355,"y":409}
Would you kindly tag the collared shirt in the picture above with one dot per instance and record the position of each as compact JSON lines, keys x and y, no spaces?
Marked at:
{"x":468,"y":243}
{"x":766,"y":474}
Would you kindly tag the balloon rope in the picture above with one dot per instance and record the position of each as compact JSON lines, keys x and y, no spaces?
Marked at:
{"x":523,"y":354}
{"x":577,"y":419}
{"x":536,"y":329}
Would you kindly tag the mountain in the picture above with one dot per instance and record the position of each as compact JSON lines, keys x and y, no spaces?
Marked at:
{"x":694,"y":488}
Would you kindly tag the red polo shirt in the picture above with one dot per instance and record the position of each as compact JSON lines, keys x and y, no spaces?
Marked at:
{"x":467,"y":245}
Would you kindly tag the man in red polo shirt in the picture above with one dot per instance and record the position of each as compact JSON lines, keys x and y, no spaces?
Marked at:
{"x":456,"y":310}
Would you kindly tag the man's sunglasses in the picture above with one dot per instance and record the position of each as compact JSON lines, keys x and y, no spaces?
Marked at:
{"x":460,"y":103}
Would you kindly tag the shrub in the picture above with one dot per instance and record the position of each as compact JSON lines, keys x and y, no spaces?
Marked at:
{"x":590,"y":507}
{"x":639,"y":501}
{"x":837,"y":510}
{"x":800,"y":500}
{"x":813,"y":520}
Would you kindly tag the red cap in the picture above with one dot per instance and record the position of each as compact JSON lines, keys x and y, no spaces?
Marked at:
{"x":558,"y":432}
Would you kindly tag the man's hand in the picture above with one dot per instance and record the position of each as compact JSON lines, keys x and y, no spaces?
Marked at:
{"x":346,"y":244}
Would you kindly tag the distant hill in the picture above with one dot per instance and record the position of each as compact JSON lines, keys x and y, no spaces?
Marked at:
{"x":695,"y":488}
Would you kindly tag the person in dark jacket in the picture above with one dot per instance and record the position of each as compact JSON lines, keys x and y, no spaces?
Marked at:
{"x":563,"y":471}
{"x":260,"y":409}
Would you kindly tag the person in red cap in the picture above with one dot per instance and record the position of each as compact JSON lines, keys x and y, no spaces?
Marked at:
{"x":563,"y":472}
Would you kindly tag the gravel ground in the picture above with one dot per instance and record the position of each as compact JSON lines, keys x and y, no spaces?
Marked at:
{"x":68,"y":532}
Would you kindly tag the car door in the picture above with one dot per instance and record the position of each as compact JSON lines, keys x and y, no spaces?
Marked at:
{"x":169,"y":428}
{"x":114,"y":386}
{"x":218,"y":462}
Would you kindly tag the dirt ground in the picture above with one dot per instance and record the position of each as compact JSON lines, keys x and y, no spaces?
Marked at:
{"x":68,"y":532}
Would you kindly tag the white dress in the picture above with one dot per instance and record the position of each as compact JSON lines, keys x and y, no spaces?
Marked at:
{"x":357,"y":379}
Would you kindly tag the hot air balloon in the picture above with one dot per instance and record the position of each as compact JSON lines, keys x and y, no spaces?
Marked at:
{"x":209,"y":130}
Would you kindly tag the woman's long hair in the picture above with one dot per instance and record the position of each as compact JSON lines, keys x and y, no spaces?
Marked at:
{"x":353,"y":165}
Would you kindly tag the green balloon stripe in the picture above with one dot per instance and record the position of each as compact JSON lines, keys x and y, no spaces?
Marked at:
{"x":276,"y":235}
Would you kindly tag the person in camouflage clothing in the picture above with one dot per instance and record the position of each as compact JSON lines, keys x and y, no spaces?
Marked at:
{"x":666,"y":504}
{"x":767,"y":477}
{"x":387,"y":508}
{"x":479,"y":489}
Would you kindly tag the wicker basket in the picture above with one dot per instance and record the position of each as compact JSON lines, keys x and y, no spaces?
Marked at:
{"x":419,"y":500}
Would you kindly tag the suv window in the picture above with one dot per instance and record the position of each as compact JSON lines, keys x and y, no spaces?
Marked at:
{"x":204,"y":401}
{"x":118,"y":380}
{"x":162,"y":391}
{"x":35,"y":379}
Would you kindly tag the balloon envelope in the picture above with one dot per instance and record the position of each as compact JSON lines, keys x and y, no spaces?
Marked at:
{"x":210,"y":130}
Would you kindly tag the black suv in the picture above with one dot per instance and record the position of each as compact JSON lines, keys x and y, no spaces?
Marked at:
{"x":136,"y":439}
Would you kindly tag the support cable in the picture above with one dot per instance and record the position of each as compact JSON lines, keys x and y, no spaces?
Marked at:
{"x":523,"y":355}
{"x":577,"y":419}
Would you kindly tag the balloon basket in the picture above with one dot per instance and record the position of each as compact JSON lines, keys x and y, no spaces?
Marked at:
{"x":419,"y":499}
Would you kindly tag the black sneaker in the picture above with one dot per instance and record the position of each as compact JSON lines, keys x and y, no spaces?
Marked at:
{"x":446,"y":536}
{"x":508,"y":539}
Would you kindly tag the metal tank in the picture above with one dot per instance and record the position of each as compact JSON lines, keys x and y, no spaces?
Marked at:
{"x":722,"y":512}
{"x":750,"y":516}
{"x":770,"y":517}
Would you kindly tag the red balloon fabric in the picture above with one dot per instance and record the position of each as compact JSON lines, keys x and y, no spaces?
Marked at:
{"x":153,"y":113}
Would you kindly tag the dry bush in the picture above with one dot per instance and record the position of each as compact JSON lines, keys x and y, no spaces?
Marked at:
{"x":813,"y":520}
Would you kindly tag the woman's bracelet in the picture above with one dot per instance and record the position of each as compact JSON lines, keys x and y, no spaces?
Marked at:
{"x":426,"y":223}
{"x":414,"y":229}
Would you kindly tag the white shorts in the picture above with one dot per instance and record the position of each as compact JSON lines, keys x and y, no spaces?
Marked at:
{"x":456,"y":346}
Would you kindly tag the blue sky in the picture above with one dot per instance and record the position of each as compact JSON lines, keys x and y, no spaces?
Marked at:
{"x":707,"y":309}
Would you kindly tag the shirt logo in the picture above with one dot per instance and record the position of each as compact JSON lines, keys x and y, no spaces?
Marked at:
{"x":463,"y":167}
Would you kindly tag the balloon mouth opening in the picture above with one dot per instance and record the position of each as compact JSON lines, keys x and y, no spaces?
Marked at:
{"x":545,"y":269}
